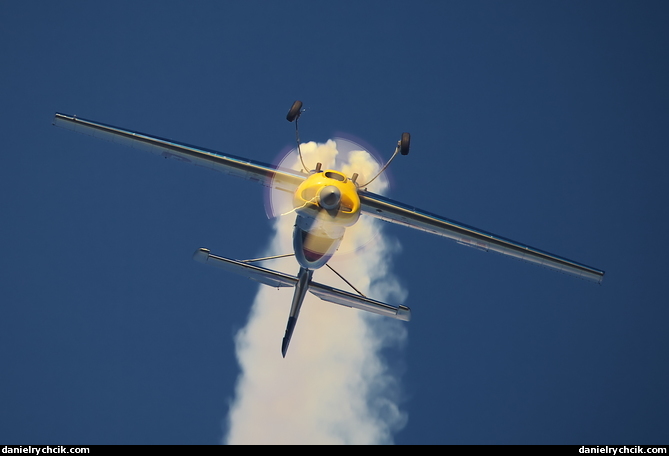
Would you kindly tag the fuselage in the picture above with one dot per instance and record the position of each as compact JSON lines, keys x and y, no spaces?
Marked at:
{"x":326,"y":204}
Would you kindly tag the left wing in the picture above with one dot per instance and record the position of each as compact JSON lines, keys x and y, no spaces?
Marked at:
{"x":284,"y":179}
{"x":395,"y":212}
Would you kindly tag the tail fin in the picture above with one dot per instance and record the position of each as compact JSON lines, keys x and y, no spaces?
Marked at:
{"x":303,"y":280}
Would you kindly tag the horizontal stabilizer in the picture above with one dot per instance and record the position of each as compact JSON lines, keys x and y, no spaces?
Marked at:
{"x":344,"y":298}
{"x":262,"y":275}
{"x":324,"y":292}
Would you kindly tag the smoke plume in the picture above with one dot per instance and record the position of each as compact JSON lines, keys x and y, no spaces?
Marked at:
{"x":334,"y":386}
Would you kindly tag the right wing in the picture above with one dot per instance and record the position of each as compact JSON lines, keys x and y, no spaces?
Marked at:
{"x":284,"y":179}
{"x":395,"y":212}
{"x":325,"y":292}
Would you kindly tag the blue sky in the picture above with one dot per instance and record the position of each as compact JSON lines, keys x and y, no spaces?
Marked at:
{"x":541,"y":122}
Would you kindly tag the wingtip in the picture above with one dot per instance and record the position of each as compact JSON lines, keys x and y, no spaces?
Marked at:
{"x":201,"y":255}
{"x":403,"y":313}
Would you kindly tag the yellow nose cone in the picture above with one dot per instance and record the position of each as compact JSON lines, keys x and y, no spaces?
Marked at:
{"x":329,"y":190}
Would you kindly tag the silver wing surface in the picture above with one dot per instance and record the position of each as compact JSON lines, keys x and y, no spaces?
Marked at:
{"x":395,"y":212}
{"x":284,"y":179}
{"x":325,"y":292}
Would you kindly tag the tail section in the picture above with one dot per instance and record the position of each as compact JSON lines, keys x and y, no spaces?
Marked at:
{"x":302,"y":283}
{"x":289,"y":334}
{"x":303,"y":280}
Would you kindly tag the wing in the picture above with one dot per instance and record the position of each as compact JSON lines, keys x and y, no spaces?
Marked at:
{"x":395,"y":212}
{"x":268,"y":175}
{"x":280,"y":279}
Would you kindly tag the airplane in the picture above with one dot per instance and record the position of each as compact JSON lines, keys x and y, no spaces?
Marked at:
{"x":326,"y":202}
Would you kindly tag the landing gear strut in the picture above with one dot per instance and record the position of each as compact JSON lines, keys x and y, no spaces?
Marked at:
{"x":293,"y":114}
{"x":402,"y":147}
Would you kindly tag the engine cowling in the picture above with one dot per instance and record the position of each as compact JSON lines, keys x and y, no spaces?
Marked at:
{"x":331,"y":196}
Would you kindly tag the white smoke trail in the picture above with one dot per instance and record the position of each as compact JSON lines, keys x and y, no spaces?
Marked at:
{"x":333,"y":386}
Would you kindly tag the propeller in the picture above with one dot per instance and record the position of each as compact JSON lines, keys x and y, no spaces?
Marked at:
{"x":340,"y":154}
